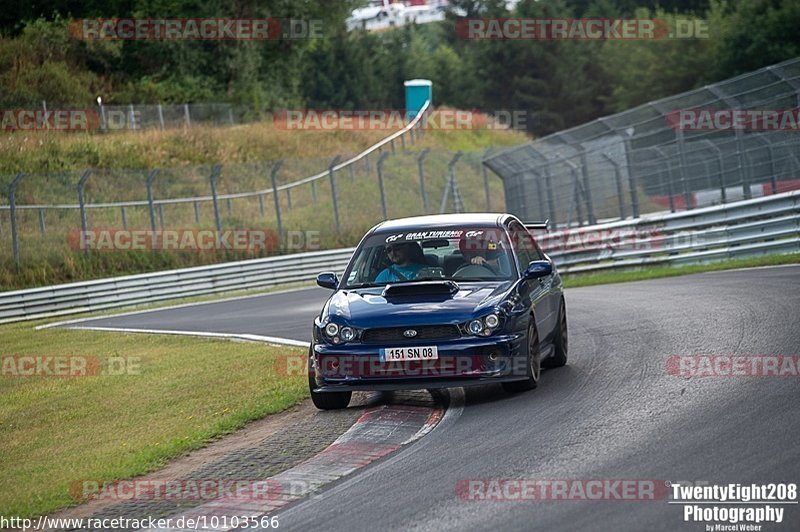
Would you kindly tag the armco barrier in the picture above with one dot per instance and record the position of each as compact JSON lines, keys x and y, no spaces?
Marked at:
{"x":173,"y":284}
{"x":747,"y":228}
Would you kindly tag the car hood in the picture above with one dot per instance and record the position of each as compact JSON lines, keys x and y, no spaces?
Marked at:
{"x":367,"y":307}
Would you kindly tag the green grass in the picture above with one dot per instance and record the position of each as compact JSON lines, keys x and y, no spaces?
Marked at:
{"x":590,"y":279}
{"x":58,"y":430}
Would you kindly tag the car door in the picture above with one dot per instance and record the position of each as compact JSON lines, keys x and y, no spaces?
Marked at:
{"x":538,"y":294}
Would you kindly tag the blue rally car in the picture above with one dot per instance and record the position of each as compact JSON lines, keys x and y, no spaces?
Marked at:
{"x":439,"y":301}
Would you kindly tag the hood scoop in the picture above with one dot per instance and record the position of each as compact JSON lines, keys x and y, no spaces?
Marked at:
{"x":421,"y":288}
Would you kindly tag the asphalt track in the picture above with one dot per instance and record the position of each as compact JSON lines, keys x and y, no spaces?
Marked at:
{"x":614,"y":412}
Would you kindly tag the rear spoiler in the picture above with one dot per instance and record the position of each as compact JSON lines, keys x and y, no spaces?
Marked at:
{"x":542,"y":226}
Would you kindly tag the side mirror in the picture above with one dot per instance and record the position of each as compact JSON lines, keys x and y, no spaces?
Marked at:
{"x":328,"y":280}
{"x":538,"y":268}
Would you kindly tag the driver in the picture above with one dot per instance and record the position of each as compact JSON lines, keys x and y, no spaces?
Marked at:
{"x":407,"y":260}
{"x":480,"y":253}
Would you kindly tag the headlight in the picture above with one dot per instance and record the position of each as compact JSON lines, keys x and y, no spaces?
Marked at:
{"x":475,"y":327}
{"x":331,"y":329}
{"x":492,"y":321}
{"x":347,"y":334}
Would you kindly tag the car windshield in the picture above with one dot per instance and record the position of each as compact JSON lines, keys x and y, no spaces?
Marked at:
{"x":470,"y":254}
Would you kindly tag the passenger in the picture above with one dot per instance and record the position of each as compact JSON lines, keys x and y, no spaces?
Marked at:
{"x":407,"y":260}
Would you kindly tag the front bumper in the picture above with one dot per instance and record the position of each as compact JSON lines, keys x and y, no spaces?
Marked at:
{"x":464,"y":361}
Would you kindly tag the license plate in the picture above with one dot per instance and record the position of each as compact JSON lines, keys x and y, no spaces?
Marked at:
{"x":398,"y":354}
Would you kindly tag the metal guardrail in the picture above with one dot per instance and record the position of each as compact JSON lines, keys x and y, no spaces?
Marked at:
{"x":748,"y":228}
{"x":116,"y":292}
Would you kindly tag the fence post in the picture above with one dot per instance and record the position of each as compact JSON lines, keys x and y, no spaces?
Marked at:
{"x":186,"y":115}
{"x":577,"y":191}
{"x":314,"y":191}
{"x":551,"y":203}
{"x":587,"y":190}
{"x":12,"y":201}
{"x":618,"y":180}
{"x":196,"y":212}
{"x":150,"y":206}
{"x":215,"y":173}
{"x":103,"y":123}
{"x":486,"y":181}
{"x":132,"y":117}
{"x":121,"y":211}
{"x":722,"y":193}
{"x":161,"y":116}
{"x":669,"y":177}
{"x":81,"y":202}
{"x":161,"y":215}
{"x":273,"y":176}
{"x":261,"y":204}
{"x":41,"y":221}
{"x":539,"y":194}
{"x":289,"y":199}
{"x":687,"y":196}
{"x":450,"y":181}
{"x":366,"y":164}
{"x":331,"y":176}
{"x":420,"y":161}
{"x":382,"y":158}
{"x":229,"y":205}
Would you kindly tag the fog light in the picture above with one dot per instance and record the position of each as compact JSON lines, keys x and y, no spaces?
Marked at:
{"x":476,"y":326}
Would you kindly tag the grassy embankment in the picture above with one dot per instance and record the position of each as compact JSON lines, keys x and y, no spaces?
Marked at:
{"x":185,"y":158}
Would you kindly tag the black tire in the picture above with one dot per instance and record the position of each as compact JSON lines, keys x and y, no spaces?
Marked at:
{"x":534,"y":367}
{"x":561,"y":341}
{"x":326,"y":400}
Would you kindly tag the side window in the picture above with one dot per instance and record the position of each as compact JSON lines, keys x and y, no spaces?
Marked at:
{"x":525,"y":246}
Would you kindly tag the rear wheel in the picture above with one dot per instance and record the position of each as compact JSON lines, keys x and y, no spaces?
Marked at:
{"x":326,"y":400}
{"x":533,"y":365}
{"x":560,"y":343}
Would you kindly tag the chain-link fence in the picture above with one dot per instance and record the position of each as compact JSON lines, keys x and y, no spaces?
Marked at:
{"x":132,"y":117}
{"x":307,"y":203}
{"x":670,"y":154}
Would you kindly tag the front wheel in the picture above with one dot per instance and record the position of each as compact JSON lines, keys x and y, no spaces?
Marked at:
{"x":533,"y":365}
{"x":326,"y":400}
{"x":559,"y":357}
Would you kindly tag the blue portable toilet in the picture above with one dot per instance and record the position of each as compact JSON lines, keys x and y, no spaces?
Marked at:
{"x":418,"y":91}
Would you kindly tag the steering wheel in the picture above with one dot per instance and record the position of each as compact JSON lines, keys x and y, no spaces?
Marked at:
{"x":474,"y":270}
